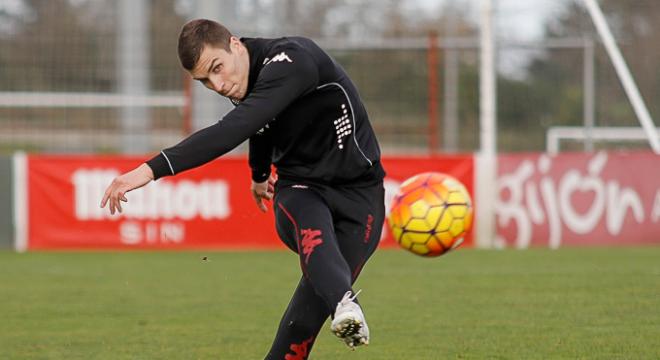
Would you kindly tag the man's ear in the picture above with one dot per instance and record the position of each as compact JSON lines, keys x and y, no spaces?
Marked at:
{"x":234,"y":43}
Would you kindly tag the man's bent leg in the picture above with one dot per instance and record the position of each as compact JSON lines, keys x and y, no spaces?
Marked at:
{"x":358,"y":227}
{"x":305,"y":223}
{"x":359,"y":216}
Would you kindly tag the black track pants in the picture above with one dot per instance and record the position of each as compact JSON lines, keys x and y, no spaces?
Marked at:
{"x":334,"y":231}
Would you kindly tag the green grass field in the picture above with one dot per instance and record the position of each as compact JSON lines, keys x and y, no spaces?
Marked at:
{"x":534,"y":304}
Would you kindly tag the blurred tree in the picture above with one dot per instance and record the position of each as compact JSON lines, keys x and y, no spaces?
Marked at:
{"x":635,"y":25}
{"x":165,"y":24}
{"x":57,"y":45}
{"x":70,"y":45}
{"x":551,"y":92}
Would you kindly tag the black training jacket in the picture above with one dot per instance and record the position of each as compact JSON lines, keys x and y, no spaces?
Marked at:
{"x":301,"y":113}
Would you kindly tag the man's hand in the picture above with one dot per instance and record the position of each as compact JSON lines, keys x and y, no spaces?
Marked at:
{"x":122,"y":184}
{"x":263,"y":191}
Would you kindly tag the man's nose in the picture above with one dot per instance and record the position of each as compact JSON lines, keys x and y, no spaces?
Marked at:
{"x":217,"y":84}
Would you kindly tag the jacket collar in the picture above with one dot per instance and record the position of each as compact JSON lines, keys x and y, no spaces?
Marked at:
{"x":257,"y":53}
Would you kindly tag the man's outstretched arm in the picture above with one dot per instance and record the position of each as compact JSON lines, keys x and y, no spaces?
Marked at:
{"x":278,"y":85}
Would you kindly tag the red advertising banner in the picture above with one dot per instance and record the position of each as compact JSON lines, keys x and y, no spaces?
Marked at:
{"x":205,"y":207}
{"x":208,"y":207}
{"x":578,"y":199}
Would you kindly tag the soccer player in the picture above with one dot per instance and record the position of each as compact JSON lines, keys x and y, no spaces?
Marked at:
{"x":302,"y":114}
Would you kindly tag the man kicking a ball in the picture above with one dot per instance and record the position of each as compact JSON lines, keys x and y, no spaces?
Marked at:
{"x":302,"y":114}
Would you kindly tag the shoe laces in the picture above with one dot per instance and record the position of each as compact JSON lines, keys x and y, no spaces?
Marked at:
{"x":349,"y":297}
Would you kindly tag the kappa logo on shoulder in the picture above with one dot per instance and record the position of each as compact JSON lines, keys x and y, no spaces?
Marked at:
{"x":278,"y":58}
{"x":263,"y":129}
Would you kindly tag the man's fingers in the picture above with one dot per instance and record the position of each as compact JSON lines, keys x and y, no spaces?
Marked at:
{"x":260,"y":203}
{"x":262,"y":195}
{"x":267,"y":195}
{"x":113,"y":203}
{"x":106,"y":196}
{"x":256,"y":198}
{"x":118,"y":198}
{"x":259,"y":199}
{"x":115,"y":194}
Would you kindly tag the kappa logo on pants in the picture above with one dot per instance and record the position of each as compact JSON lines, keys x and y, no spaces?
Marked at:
{"x":367,"y":233}
{"x":311,"y":239}
{"x":301,"y":350}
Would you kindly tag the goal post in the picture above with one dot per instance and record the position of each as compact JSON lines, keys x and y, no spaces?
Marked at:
{"x":486,"y":159}
{"x":624,"y":74}
{"x":556,"y":134}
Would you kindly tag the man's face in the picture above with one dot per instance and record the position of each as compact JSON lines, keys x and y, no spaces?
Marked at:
{"x":222,"y":71}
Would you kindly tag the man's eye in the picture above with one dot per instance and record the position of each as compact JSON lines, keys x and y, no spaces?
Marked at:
{"x":216,"y":69}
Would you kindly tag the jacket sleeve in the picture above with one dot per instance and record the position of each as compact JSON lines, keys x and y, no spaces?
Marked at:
{"x":278,"y":85}
{"x":260,"y":156}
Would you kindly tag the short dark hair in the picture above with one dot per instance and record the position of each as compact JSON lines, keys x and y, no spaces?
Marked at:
{"x":198,"y":33}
